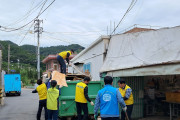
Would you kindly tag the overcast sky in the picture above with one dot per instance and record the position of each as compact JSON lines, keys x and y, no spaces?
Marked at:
{"x":83,"y":21}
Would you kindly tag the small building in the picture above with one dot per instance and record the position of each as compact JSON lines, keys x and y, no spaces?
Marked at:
{"x":149,"y":61}
{"x":91,"y":59}
{"x":52,"y":63}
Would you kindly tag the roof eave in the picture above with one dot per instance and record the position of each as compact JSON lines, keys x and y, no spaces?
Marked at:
{"x":90,"y":46}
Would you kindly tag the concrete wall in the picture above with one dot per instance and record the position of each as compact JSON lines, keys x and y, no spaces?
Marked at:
{"x":2,"y":78}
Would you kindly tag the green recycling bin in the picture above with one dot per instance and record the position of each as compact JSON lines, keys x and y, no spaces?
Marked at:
{"x":67,"y":105}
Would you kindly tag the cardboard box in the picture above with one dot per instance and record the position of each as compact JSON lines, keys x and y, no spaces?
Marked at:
{"x":173,"y":97}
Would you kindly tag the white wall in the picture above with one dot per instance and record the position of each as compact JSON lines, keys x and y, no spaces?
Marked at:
{"x":95,"y":57}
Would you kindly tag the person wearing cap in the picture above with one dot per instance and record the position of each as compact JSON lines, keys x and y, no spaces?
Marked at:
{"x":81,"y":98}
{"x":52,"y":101}
{"x":127,"y":95}
{"x":61,"y":57}
{"x":107,"y":100}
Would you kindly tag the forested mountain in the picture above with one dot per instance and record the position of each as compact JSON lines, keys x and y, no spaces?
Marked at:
{"x":17,"y":52}
{"x":53,"y":49}
{"x":27,"y":53}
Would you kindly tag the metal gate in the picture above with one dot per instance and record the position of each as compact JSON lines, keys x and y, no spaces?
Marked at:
{"x":137,"y":86}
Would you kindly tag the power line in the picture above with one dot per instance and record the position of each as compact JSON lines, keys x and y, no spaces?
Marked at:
{"x":27,"y":14}
{"x":46,"y":8}
{"x":28,"y":22}
{"x":26,"y":33}
{"x":133,"y":2}
{"x":21,"y":32}
{"x":67,"y":41}
{"x":73,"y":32}
{"x":63,"y":40}
{"x":76,"y":34}
{"x":33,"y":23}
{"x":42,"y":7}
{"x":19,"y":19}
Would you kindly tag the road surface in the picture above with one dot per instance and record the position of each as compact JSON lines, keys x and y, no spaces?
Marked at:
{"x":22,"y":107}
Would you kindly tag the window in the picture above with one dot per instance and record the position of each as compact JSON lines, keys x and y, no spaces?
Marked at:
{"x":49,"y":65}
{"x":55,"y":64}
{"x":55,"y":67}
{"x":86,"y":67}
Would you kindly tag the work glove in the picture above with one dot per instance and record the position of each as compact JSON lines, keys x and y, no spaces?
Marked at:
{"x":125,"y":98}
{"x":92,"y":103}
{"x":67,"y":64}
{"x":124,"y":109}
{"x":95,"y":117}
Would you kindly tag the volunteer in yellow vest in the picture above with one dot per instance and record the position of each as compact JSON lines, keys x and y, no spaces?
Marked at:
{"x":52,"y":101}
{"x":61,"y":57}
{"x":81,"y":98}
{"x":127,"y":95}
{"x":42,"y":91}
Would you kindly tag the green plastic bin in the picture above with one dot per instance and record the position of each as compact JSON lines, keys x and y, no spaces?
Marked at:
{"x":67,"y":105}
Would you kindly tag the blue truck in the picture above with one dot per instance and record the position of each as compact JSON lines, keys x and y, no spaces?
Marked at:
{"x":12,"y":84}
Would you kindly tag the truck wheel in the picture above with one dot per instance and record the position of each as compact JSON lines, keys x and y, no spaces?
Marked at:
{"x":19,"y":94}
{"x":7,"y":94}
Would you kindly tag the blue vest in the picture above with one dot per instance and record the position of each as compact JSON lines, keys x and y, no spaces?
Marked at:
{"x":108,"y":102}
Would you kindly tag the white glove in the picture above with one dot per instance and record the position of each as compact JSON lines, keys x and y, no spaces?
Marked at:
{"x":92,"y":103}
{"x":124,"y":109}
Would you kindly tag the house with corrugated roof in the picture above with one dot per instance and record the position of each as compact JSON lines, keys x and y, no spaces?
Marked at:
{"x":92,"y":58}
{"x":148,"y":60}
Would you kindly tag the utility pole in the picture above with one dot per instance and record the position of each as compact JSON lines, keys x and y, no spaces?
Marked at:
{"x":110,"y":27}
{"x":38,"y":30}
{"x":8,"y":58}
{"x":107,"y":30}
{"x":18,"y":63}
{"x":114,"y":27}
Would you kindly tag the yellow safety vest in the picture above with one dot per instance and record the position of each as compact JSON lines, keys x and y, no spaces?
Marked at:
{"x":42,"y":91}
{"x":52,"y":96}
{"x":129,"y":101}
{"x":64,"y":54}
{"x":79,"y":97}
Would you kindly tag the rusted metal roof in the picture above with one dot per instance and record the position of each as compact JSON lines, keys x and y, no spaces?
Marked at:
{"x":49,"y":57}
{"x":138,"y":30}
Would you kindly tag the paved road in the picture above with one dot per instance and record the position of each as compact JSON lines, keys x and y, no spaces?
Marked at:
{"x":22,"y":107}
